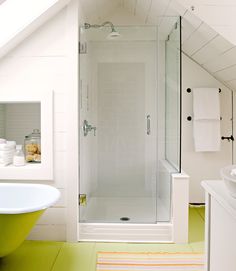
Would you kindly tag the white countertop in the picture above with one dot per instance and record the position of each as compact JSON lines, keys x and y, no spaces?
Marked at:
{"x":217,"y":189}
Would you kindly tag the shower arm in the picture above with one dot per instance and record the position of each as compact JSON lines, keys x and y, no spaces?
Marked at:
{"x":111,"y":25}
{"x":87,"y":26}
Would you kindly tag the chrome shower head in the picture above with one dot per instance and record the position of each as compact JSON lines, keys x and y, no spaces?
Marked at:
{"x":113,"y":35}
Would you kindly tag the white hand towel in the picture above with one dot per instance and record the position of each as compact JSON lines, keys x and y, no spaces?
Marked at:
{"x":206,"y":103}
{"x":206,"y":135}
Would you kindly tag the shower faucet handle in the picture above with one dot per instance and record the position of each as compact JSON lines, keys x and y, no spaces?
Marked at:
{"x":88,"y":128}
{"x":94,"y":130}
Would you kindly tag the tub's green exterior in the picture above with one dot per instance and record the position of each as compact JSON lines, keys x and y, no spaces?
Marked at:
{"x":14,"y":228}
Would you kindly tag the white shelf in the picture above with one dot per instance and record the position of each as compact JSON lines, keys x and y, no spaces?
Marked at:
{"x":44,"y":170}
{"x":27,"y":172}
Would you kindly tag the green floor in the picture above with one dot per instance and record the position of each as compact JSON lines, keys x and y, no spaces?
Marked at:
{"x":59,"y":256}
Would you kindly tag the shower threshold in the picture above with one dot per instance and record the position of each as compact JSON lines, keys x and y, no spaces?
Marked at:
{"x":124,"y":220}
{"x":129,"y":232}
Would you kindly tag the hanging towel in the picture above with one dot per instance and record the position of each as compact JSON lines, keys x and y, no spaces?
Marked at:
{"x":206,"y":119}
{"x":206,"y":103}
{"x":206,"y":135}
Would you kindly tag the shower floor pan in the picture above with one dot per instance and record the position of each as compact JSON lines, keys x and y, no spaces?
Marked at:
{"x":125,"y":220}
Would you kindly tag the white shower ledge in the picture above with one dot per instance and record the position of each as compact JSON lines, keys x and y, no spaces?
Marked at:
{"x":27,"y":172}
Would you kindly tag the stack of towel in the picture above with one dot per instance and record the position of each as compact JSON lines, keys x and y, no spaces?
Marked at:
{"x":7,"y":150}
{"x":206,"y":121}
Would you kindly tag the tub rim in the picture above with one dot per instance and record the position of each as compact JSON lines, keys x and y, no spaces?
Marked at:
{"x":55,"y":195}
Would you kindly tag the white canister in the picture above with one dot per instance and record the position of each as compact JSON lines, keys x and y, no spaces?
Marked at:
{"x":19,"y":157}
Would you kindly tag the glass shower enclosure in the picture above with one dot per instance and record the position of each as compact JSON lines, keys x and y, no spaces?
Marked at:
{"x":124,"y":128}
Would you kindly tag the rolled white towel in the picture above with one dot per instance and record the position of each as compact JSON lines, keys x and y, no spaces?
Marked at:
{"x":2,"y":140}
{"x":233,"y":172}
{"x":9,"y":145}
{"x":5,"y":152}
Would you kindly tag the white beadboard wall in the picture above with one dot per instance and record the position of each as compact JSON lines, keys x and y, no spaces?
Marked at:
{"x":121,"y":133}
{"x":117,"y":55}
{"x":203,"y":165}
{"x":48,"y":59}
{"x":88,"y":111}
{"x":20,"y":120}
{"x":2,"y":120}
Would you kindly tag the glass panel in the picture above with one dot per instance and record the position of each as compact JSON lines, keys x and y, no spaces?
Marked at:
{"x":118,"y":146}
{"x":169,"y":62}
{"x":172,"y":99}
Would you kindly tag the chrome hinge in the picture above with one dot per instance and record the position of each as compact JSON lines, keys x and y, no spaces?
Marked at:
{"x":82,"y":48}
{"x":82,"y":199}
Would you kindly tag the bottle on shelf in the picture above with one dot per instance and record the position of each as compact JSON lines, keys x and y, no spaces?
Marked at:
{"x":19,"y":157}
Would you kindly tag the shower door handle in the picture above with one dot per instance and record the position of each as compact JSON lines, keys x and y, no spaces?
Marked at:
{"x":148,"y":124}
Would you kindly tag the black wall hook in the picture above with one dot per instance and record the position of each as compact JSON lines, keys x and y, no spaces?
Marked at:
{"x":189,"y":90}
{"x":228,"y":138}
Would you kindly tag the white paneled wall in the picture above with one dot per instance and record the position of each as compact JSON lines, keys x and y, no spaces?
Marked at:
{"x":121,"y":129}
{"x":107,"y":59}
{"x":21,"y":120}
{"x":2,"y":120}
{"x":88,"y":111}
{"x":47,"y":59}
{"x":203,"y":165}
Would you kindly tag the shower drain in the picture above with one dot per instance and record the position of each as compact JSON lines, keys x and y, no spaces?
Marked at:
{"x":124,"y":218}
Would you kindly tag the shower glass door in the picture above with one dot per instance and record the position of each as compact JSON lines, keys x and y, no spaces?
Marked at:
{"x":118,"y":121}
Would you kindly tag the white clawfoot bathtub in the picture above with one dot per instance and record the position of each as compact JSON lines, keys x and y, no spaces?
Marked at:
{"x":20,"y":207}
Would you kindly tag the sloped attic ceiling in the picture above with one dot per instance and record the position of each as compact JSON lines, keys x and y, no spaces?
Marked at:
{"x":219,"y":14}
{"x":18,"y":19}
{"x":200,"y":42}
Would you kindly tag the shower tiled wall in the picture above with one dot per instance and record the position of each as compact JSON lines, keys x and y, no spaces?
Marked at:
{"x":115,"y":66}
{"x":121,"y":128}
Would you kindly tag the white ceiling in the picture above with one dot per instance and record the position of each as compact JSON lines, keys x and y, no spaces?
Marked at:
{"x":207,"y":31}
{"x":203,"y":43}
{"x":147,"y":11}
{"x":219,"y":14}
{"x":209,"y":49}
{"x":31,"y":16}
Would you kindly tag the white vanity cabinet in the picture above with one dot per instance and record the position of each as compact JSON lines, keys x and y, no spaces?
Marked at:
{"x":220,"y":229}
